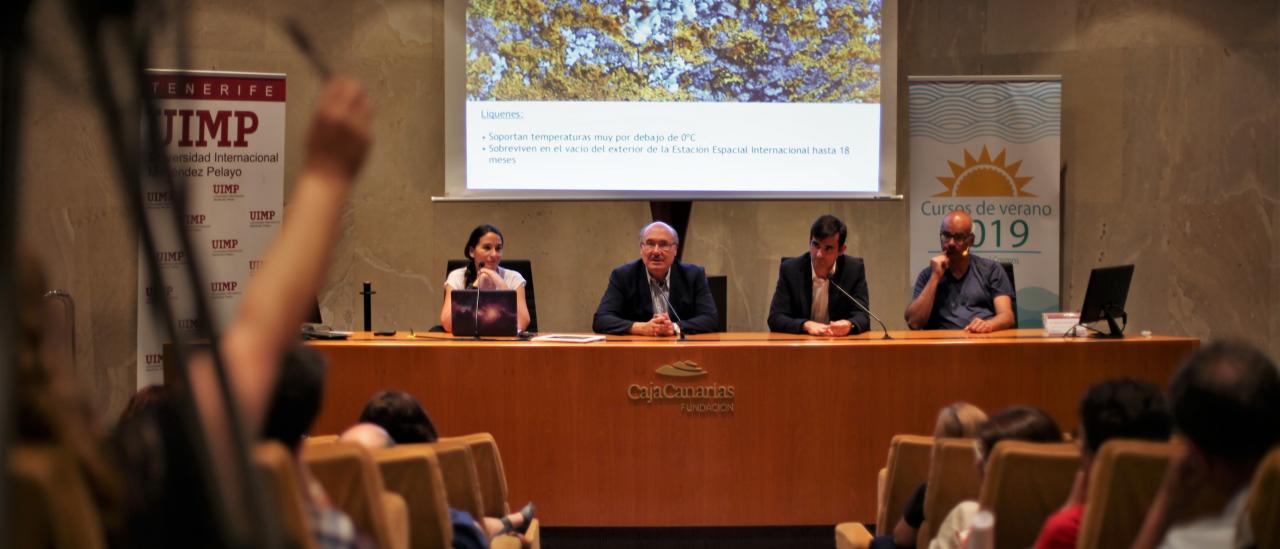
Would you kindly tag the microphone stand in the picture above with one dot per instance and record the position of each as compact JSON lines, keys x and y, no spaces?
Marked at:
{"x":861,"y":306}
{"x":670,"y":309}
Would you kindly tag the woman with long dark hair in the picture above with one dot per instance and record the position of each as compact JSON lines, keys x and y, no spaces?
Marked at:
{"x":484,"y":253}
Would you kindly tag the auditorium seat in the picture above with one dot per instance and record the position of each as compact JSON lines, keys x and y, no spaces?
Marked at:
{"x":1264,"y":501}
{"x":907,"y":466}
{"x":522,"y":266}
{"x":322,"y":439}
{"x":1125,"y":477}
{"x":492,"y":479}
{"x":1025,"y":482}
{"x":462,"y":485}
{"x":490,"y":475}
{"x":279,"y":477}
{"x":953,"y":478}
{"x":413,"y":471}
{"x":56,"y":509}
{"x":354,"y":484}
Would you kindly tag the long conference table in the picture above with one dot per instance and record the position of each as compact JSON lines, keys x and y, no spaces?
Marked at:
{"x":733,"y":429}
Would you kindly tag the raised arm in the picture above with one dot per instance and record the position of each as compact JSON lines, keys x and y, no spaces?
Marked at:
{"x":276,"y":301}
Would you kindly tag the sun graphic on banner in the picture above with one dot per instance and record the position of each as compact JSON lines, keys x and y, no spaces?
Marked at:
{"x":984,"y":176}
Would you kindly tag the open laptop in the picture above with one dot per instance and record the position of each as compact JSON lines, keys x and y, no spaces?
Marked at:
{"x":484,"y":313}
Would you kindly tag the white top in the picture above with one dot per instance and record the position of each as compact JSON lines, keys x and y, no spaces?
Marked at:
{"x":1215,"y":530}
{"x":953,"y":533}
{"x":457,"y":279}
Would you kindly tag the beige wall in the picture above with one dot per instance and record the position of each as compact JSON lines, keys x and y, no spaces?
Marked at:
{"x":1170,"y":142}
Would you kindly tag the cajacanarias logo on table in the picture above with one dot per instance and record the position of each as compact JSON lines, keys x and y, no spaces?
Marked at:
{"x":706,"y":398}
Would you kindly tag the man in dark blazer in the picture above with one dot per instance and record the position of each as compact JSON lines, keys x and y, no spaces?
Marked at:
{"x":804,"y":301}
{"x":636,"y":301}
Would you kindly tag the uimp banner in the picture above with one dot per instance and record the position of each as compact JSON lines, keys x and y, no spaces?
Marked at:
{"x":991,"y":146}
{"x":223,"y":134}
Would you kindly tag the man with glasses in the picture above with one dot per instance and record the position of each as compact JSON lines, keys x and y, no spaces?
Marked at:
{"x":805,"y":302}
{"x":642,"y":294}
{"x":959,"y":291}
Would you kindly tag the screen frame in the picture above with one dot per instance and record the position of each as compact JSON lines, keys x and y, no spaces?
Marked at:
{"x":455,"y":187}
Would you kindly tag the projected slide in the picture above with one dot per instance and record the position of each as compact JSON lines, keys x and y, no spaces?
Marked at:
{"x":673,"y":95}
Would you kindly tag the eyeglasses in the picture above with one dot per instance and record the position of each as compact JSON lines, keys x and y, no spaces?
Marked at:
{"x":657,"y":245}
{"x":958,"y":237}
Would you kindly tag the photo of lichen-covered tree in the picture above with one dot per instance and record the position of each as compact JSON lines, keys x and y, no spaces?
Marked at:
{"x":772,"y":51}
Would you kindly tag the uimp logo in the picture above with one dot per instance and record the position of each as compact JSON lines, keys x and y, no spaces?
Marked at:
{"x":254,"y":265}
{"x":156,"y":198}
{"x":224,"y":287}
{"x":153,"y":359}
{"x":706,"y":398}
{"x":681,"y":368}
{"x":985,"y":176}
{"x":155,"y":293}
{"x":225,"y":246}
{"x":189,"y":324}
{"x":262,"y":215}
{"x":215,"y":126}
{"x":170,"y":258}
{"x":225,"y":189}
{"x":195,"y":220}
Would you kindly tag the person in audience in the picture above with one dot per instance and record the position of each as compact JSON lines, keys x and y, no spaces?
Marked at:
{"x":804,"y":301}
{"x":484,"y":250}
{"x":294,"y":408}
{"x":1017,"y":423}
{"x":1120,"y":408}
{"x":641,"y":294}
{"x":959,"y":291}
{"x":1226,"y":404}
{"x":168,"y":500}
{"x":956,"y":420}
{"x":369,"y":435}
{"x":399,"y":417}
{"x":146,"y":398}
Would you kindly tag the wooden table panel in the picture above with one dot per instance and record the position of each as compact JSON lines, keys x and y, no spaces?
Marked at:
{"x":810,"y":425}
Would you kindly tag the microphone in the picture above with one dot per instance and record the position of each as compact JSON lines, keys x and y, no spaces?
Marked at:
{"x":662,"y":285}
{"x":864,"y":308}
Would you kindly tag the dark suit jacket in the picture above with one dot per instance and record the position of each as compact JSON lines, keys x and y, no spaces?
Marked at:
{"x":793,"y":297}
{"x":627,"y":300}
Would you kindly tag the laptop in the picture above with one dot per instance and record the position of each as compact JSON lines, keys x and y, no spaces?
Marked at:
{"x":484,"y":313}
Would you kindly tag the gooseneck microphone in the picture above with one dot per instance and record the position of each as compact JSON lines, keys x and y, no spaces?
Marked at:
{"x":861,"y":306}
{"x":662,"y":285}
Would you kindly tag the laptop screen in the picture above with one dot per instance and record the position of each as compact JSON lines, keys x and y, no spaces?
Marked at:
{"x":484,"y":313}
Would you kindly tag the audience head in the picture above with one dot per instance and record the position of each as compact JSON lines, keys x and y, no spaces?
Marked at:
{"x":1017,"y":423}
{"x":827,"y":226}
{"x":959,"y":420}
{"x":368,"y":435}
{"x":483,"y":249}
{"x":297,"y":397}
{"x":145,"y":399}
{"x":659,"y":243}
{"x":1226,"y":401}
{"x":401,"y":416}
{"x":1123,"y":408}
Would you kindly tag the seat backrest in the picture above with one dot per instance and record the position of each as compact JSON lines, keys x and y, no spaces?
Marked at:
{"x":56,"y":509}
{"x":283,"y":491}
{"x":489,"y":472}
{"x":522,"y":266}
{"x":953,"y":478}
{"x":321,"y":439}
{"x":1264,"y":501}
{"x":461,"y":483}
{"x":906,"y":468}
{"x":719,"y":287}
{"x":413,"y":471}
{"x":1008,"y":271}
{"x":354,"y":484}
{"x":1026,"y":482}
{"x":1124,"y":480}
